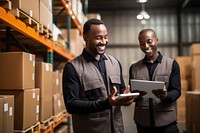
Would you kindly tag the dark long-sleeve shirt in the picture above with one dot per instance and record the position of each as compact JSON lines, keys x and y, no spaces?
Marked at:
{"x":72,"y":87}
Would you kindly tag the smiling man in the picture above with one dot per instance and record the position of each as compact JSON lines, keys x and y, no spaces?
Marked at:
{"x":156,"y":115}
{"x":90,"y":83}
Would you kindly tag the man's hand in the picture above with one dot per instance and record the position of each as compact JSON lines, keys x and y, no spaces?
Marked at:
{"x":160,"y":93}
{"x":119,"y":102}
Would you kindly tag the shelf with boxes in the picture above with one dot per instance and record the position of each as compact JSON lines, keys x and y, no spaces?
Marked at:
{"x":37,"y":91}
{"x":32,"y":39}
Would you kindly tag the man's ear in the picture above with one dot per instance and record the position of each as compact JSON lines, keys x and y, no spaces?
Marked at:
{"x":156,"y":39}
{"x":85,"y":38}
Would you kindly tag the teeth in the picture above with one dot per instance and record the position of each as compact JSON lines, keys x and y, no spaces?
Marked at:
{"x":149,"y":50}
{"x":101,"y":47}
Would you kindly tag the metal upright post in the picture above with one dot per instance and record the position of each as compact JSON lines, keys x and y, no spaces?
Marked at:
{"x":68,"y":30}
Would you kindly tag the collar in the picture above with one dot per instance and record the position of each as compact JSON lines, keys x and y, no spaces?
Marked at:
{"x":158,"y":60}
{"x":90,"y":58}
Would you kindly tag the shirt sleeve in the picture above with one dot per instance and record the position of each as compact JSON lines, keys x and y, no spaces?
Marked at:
{"x":174,"y":88}
{"x":71,"y":89}
{"x":122,"y":86}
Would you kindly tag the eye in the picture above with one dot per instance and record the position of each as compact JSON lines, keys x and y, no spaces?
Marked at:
{"x":98,"y":37}
{"x":106,"y":37}
{"x":149,"y":41}
{"x":142,"y":43}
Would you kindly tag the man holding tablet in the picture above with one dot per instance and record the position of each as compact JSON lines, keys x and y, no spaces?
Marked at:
{"x":156,"y":114}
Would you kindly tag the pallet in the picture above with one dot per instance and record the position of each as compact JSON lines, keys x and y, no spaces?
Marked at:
{"x":33,"y":129}
{"x":47,"y":123}
{"x":25,"y":18}
{"x":58,"y":117}
{"x":45,"y":31}
{"x":6,"y":4}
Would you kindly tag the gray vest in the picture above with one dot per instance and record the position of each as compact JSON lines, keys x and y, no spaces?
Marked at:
{"x":163,"y":113}
{"x":91,"y":78}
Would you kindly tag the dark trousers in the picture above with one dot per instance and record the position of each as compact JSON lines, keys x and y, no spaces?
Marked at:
{"x":171,"y":128}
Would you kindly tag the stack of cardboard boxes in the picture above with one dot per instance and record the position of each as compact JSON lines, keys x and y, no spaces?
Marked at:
{"x":17,"y":76}
{"x":43,"y":80}
{"x":193,"y":96}
{"x":185,"y":71}
{"x":188,"y":108}
{"x":30,"y":91}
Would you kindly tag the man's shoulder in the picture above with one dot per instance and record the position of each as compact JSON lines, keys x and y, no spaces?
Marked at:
{"x":137,"y":62}
{"x":168,"y":59}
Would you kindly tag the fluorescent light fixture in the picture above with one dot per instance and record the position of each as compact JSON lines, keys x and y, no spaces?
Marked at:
{"x":143,"y":14}
{"x":141,"y":1}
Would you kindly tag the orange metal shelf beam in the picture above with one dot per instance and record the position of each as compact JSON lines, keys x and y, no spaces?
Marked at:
{"x":70,"y":12}
{"x":63,"y":52}
{"x":20,"y":26}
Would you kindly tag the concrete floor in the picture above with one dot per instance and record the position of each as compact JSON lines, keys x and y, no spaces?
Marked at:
{"x":129,"y":124}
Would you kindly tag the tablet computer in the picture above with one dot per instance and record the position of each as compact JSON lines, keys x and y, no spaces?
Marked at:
{"x":146,"y":86}
{"x":120,"y":96}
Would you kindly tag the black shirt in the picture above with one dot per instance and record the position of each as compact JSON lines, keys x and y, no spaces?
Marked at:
{"x":71,"y":88}
{"x":174,"y":88}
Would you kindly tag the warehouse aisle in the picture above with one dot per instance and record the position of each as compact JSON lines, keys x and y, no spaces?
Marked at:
{"x":129,"y":124}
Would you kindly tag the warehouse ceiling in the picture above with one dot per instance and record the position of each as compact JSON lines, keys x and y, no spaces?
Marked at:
{"x":95,"y":6}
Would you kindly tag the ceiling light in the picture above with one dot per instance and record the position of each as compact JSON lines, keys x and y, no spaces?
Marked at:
{"x":143,"y":14}
{"x":141,"y":1}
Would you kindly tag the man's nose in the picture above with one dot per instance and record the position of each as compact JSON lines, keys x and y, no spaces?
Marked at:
{"x":104,"y":41}
{"x":146,"y":45}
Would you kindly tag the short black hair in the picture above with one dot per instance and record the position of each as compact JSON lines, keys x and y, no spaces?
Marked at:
{"x":87,"y":25}
{"x":145,"y":30}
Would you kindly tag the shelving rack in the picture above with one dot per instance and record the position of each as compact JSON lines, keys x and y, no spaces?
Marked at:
{"x":32,"y":40}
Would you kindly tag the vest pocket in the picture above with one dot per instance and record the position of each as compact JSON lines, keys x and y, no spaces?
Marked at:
{"x":93,"y":89}
{"x":115,"y":81}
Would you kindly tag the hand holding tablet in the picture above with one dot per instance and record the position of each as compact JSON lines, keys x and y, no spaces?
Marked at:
{"x":121,"y":96}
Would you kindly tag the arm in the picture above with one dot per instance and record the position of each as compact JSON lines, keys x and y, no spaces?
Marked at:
{"x":71,"y":89}
{"x":122,"y":86}
{"x":174,"y":88}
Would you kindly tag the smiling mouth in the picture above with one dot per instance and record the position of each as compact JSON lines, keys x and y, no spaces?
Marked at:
{"x":100,"y":45}
{"x":148,"y":50}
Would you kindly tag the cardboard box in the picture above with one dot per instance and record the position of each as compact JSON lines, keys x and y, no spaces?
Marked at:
{"x":26,"y":107}
{"x":192,"y":112}
{"x":76,"y":42}
{"x":195,"y":79}
{"x":185,"y":66}
{"x":46,"y":17}
{"x":48,"y":4}
{"x":56,"y":82}
{"x":17,"y":70}
{"x":6,"y":113}
{"x":43,"y":80}
{"x":196,"y":61}
{"x":57,"y":108}
{"x":30,"y":7}
{"x":195,"y":49}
